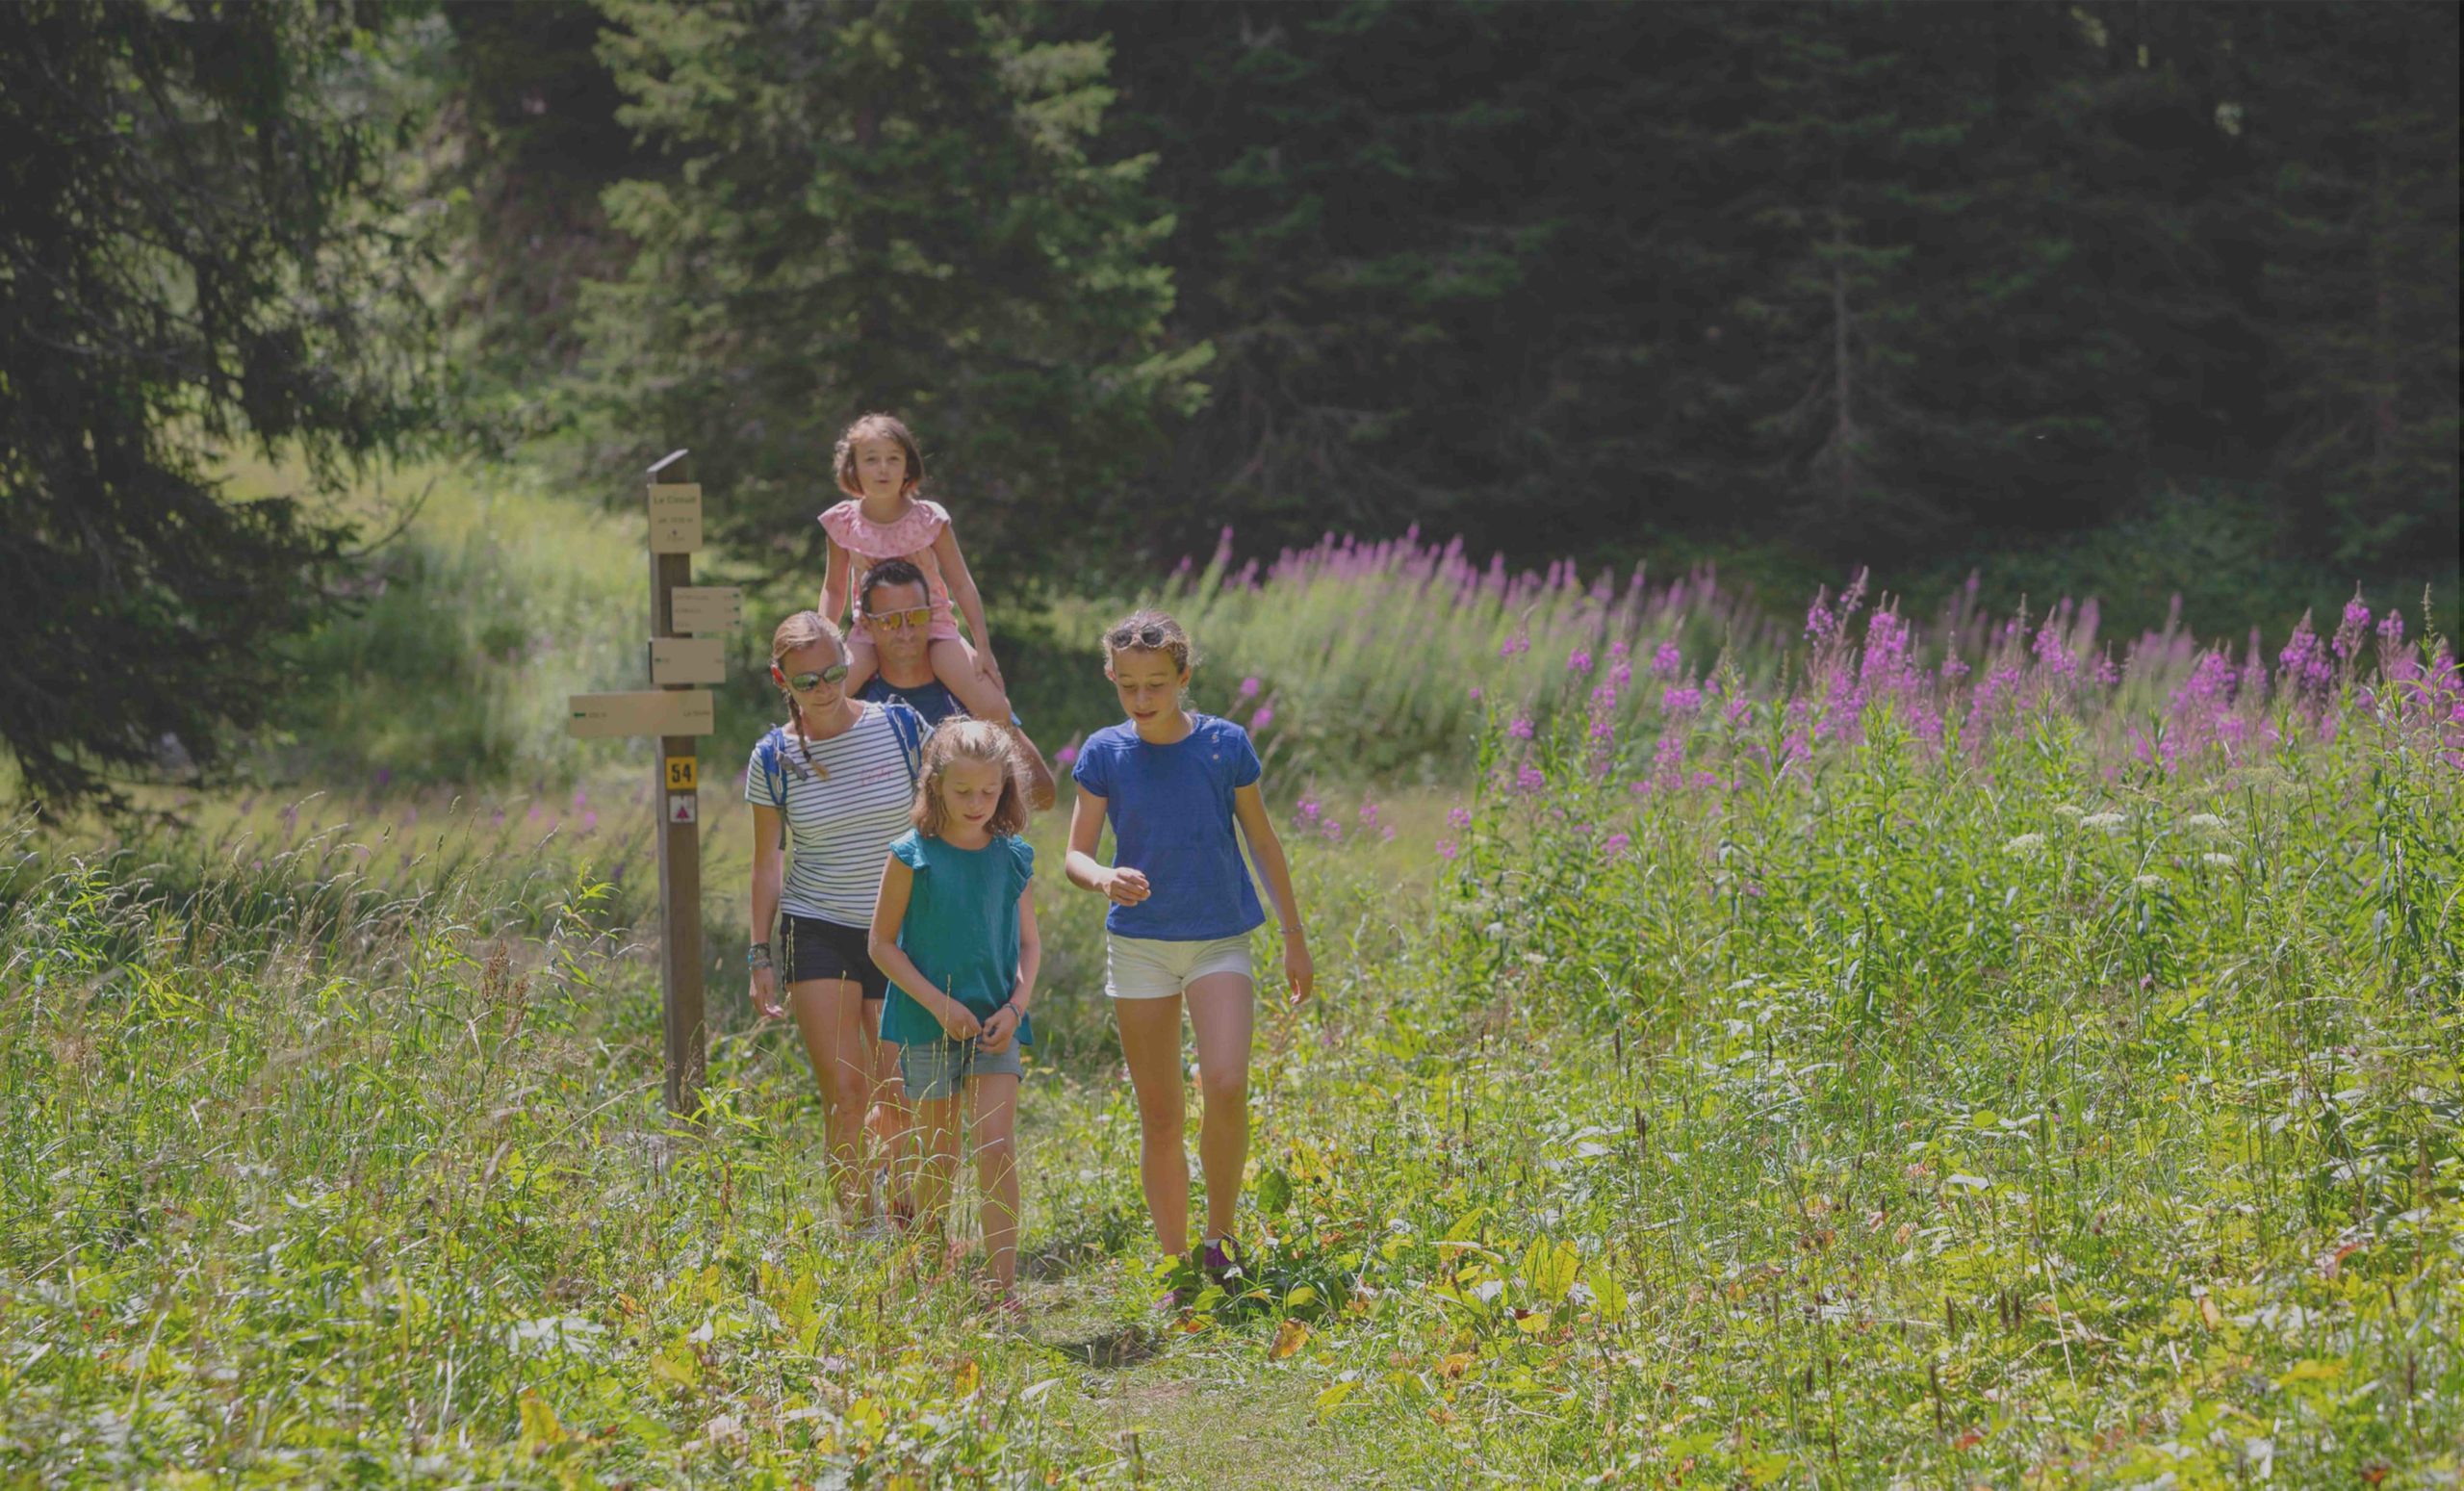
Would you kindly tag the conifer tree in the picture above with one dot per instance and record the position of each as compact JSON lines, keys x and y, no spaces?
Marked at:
{"x":881,"y":204}
{"x":193,"y":251}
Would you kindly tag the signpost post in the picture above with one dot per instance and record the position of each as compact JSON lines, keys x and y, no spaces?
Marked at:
{"x":683,"y":650}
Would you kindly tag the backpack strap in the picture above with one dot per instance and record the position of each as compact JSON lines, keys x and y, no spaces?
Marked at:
{"x":775,"y":773}
{"x":908,"y":727}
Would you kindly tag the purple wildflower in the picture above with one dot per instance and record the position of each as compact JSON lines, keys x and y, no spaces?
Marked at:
{"x":1249,"y":686}
{"x":1521,"y":728}
{"x":1458,"y":817}
{"x":1528,"y":779}
{"x":1445,"y":849}
{"x":1666,"y":661}
{"x":1579,"y":660}
{"x":1263,"y":719}
{"x":1614,"y":844}
{"x":2351,"y":628}
{"x":1682,"y":701}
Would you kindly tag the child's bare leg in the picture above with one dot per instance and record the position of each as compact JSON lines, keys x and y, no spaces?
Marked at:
{"x":889,"y":1123}
{"x":996,"y":1174}
{"x":954,"y":664}
{"x":936,"y":1171}
{"x":861,"y":663}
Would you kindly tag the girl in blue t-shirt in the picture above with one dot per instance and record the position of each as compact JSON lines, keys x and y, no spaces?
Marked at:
{"x":1173,"y":783}
{"x":954,"y":927}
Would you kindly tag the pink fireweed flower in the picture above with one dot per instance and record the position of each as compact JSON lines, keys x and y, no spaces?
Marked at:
{"x":2390,"y":632}
{"x":1369,"y":814}
{"x":1521,"y":728}
{"x":1666,"y":661}
{"x":2304,"y":663}
{"x":1458,"y":817}
{"x":1307,"y":810}
{"x":1445,"y":849}
{"x":2351,"y":627}
{"x":1622,"y":675}
{"x":1614,"y":844}
{"x":1579,"y":660}
{"x":1249,"y":686}
{"x":1263,"y":719}
{"x":1515,"y":645}
{"x":1066,"y":755}
{"x":1682,"y":701}
{"x":1528,"y":779}
{"x":1478,"y":693}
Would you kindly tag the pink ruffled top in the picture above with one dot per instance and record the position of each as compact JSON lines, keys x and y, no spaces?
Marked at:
{"x":909,"y":538}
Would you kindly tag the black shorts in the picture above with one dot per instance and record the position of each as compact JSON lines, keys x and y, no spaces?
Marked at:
{"x":818,"y":949}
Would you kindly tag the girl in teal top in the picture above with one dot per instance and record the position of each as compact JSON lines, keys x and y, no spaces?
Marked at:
{"x":953,"y":928}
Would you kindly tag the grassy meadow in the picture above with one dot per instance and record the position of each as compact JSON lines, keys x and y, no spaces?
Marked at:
{"x":1877,"y":1053}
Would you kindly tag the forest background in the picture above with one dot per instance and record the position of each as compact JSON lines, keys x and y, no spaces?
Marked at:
{"x":2112,"y":299}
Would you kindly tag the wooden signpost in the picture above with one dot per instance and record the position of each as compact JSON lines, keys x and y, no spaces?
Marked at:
{"x":684,"y":650}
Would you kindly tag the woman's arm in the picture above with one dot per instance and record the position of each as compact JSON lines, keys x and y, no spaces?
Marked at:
{"x":1116,"y":882}
{"x":1250,"y":806}
{"x":834,"y":581}
{"x":1005,"y":1021}
{"x":963,"y":596}
{"x":767,"y":861}
{"x":890,"y":914}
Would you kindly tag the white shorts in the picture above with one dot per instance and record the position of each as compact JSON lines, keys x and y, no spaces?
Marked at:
{"x":1153,"y":969}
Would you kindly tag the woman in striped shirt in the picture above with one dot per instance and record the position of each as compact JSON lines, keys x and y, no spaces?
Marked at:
{"x":837,"y":781}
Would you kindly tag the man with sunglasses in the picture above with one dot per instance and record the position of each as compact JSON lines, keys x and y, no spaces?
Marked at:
{"x":898,"y":612}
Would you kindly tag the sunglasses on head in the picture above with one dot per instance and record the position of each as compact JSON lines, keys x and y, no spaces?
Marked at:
{"x":1148,"y":637}
{"x":893,"y":621}
{"x":806,"y":682}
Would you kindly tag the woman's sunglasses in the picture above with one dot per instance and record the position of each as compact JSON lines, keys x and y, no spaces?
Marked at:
{"x":806,"y":682}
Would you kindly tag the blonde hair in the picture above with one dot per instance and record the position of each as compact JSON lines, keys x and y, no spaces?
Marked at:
{"x":1150,"y":630}
{"x":872,"y":426}
{"x":802,"y":630}
{"x":970,"y":741}
{"x":798,"y":631}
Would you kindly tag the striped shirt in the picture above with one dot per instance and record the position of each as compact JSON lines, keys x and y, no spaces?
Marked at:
{"x":842,"y":813}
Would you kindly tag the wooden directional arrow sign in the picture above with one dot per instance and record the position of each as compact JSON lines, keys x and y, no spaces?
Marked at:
{"x":647,"y":712}
{"x":687,"y":661}
{"x":706,"y":611}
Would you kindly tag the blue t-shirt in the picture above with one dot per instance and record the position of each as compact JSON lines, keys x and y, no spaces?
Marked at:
{"x":1171,"y":811}
{"x":934,"y":701}
{"x":960,"y":932}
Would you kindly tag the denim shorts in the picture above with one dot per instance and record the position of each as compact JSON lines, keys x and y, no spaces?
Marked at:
{"x":1157,"y":968}
{"x":938,"y":1070}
